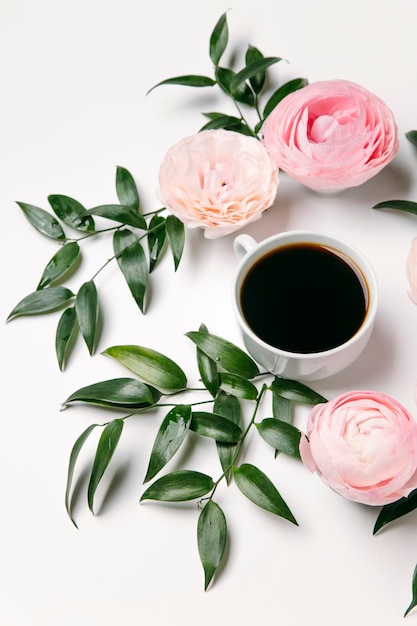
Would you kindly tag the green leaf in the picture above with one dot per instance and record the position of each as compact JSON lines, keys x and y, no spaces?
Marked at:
{"x":282,"y":436}
{"x":242,"y":92}
{"x":176,"y":238}
{"x":71,"y":466}
{"x":119,"y":213}
{"x":413,"y":602}
{"x":395,"y":510}
{"x":257,"y":487}
{"x":156,"y":239}
{"x":412,"y":137}
{"x":254,"y":68}
{"x":225,"y":354}
{"x":105,"y":449}
{"x":150,"y":365}
{"x":42,"y":221}
{"x":126,"y":393}
{"x":71,"y":212}
{"x":257,"y":81}
{"x":295,"y":391}
{"x":211,"y":539}
{"x":228,"y":122}
{"x":399,"y":205}
{"x":169,"y":438}
{"x":190,"y":80}
{"x":60,"y":264}
{"x":42,"y":301}
{"x":237,"y":386}
{"x":86,"y":308}
{"x":282,"y":408}
{"x":282,"y":92}
{"x":228,"y":407}
{"x":215,"y":426}
{"x":126,"y":189}
{"x":64,"y":331}
{"x":218,"y":39}
{"x":179,"y":486}
{"x":133,"y":264}
{"x":207,"y":368}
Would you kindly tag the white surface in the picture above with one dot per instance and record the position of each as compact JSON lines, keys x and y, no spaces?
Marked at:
{"x":74,"y":77}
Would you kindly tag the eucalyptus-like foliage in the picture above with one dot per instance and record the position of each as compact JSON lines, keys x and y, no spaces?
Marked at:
{"x":246,"y":87}
{"x":230,"y":379}
{"x":129,"y":227}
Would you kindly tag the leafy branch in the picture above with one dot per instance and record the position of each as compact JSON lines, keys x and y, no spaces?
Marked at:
{"x":245,"y":87}
{"x":230,"y":377}
{"x":135,"y":260}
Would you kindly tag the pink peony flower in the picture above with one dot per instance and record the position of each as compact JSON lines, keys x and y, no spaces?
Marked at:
{"x":363,"y":445}
{"x":412,"y":270}
{"x":331,"y":135}
{"x":218,"y":180}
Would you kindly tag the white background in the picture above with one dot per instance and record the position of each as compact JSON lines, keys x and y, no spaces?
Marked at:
{"x":74,"y":77}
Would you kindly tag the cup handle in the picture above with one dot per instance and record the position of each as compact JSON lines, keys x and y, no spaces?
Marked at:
{"x":243,"y":244}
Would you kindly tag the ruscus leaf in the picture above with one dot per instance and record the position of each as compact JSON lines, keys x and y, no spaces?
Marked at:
{"x":71,"y":212}
{"x":211,"y":539}
{"x":169,"y":438}
{"x":242,"y":92}
{"x":258,"y":80}
{"x":413,"y":602}
{"x":156,"y":240}
{"x":238,"y":386}
{"x":86,"y":308}
{"x":152,"y":366}
{"x":258,"y":488}
{"x":282,"y":92}
{"x":42,"y":301}
{"x":126,"y":189}
{"x":42,"y":221}
{"x":176,"y":238}
{"x":133,"y":264}
{"x":207,"y":368}
{"x":296,"y":391}
{"x":411,"y":135}
{"x":395,"y":510}
{"x":179,"y":486}
{"x":254,"y":68}
{"x":64,"y":332}
{"x":398,"y":205}
{"x":282,"y":408}
{"x":225,"y":354}
{"x":190,"y":80}
{"x":218,"y":39}
{"x":60,"y":264}
{"x":71,"y":466}
{"x":119,"y":213}
{"x":215,"y":426}
{"x":229,"y":407}
{"x":126,"y":393}
{"x":105,"y":449}
{"x":282,"y":436}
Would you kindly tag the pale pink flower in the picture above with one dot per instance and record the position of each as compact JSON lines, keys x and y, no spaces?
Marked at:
{"x":411,"y":268}
{"x":218,"y":180}
{"x":331,"y":135}
{"x":363,"y":445}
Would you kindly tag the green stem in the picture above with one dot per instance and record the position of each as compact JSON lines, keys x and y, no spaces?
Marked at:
{"x":244,"y":120}
{"x":240,"y":443}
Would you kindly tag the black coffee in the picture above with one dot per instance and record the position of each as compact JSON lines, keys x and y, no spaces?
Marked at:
{"x":303,"y":298}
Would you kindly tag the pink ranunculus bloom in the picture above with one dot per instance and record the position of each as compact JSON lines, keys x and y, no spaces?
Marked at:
{"x":331,"y":135}
{"x":218,"y":180}
{"x":412,"y":270}
{"x":363,"y":445}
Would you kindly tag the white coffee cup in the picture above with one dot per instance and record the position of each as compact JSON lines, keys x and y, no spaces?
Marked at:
{"x":298,"y":365}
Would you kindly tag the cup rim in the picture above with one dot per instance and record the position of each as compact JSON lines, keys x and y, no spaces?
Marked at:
{"x":308,"y":236}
